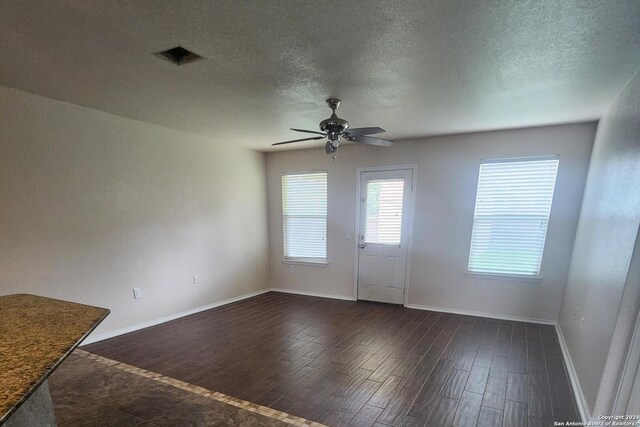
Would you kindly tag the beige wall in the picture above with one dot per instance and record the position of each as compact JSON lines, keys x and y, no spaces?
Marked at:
{"x":446,"y":184}
{"x":605,"y":240}
{"x":93,"y":204}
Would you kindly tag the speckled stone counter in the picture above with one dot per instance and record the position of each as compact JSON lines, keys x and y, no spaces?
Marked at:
{"x":36,"y":335}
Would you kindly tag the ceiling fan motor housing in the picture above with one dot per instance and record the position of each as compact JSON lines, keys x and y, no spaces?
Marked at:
{"x":334,"y":126}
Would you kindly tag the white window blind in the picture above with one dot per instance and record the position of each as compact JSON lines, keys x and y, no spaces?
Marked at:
{"x":513,"y":203}
{"x":304,"y":213}
{"x":383,"y":222}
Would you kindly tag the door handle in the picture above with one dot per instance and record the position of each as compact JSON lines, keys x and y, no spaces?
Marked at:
{"x":362,"y":245}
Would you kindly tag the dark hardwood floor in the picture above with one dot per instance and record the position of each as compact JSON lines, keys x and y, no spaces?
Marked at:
{"x":359,"y":363}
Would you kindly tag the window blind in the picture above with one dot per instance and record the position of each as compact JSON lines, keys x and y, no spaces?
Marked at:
{"x":304,"y":213}
{"x":513,"y":204}
{"x":383,"y":222}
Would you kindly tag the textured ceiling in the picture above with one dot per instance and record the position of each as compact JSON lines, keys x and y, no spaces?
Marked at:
{"x":415,"y":68}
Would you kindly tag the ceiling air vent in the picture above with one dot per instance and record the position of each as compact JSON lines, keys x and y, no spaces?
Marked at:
{"x":179,"y":55}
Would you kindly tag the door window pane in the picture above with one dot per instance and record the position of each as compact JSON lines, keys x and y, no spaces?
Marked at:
{"x":383,"y":216}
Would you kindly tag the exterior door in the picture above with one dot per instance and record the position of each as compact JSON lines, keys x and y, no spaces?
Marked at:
{"x":384,"y":234}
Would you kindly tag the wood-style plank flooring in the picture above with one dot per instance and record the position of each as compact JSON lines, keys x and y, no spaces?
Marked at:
{"x":360,"y":363}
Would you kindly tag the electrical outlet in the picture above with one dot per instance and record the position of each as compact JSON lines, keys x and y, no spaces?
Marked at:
{"x":291,"y":269}
{"x":196,"y":279}
{"x":576,"y":312}
{"x":137,"y":293}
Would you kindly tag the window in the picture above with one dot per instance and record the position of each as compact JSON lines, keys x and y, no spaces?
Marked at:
{"x":383,"y":217}
{"x":513,"y":203}
{"x":304,"y":216}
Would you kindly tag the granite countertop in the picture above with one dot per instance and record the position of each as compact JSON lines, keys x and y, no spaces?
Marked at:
{"x":36,"y":335}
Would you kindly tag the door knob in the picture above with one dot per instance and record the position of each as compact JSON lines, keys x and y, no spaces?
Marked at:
{"x":362,"y":245}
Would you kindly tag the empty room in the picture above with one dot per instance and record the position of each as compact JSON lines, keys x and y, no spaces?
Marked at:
{"x":319,"y":213}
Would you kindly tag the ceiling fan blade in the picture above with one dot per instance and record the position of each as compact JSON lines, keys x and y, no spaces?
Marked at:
{"x":364,"y":131}
{"x":298,"y":140}
{"x":370,"y":140}
{"x":309,"y":131}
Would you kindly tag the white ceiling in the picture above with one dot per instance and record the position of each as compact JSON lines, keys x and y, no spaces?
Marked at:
{"x":415,"y":67}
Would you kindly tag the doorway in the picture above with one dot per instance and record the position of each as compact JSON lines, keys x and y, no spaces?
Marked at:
{"x":385,"y":211}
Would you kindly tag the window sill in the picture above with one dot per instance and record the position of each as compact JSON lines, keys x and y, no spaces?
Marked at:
{"x":506,"y":277}
{"x":302,"y":261}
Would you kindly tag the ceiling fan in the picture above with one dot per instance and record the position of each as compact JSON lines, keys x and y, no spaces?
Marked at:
{"x":334,"y":128}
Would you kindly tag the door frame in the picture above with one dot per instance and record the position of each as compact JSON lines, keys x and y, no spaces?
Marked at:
{"x":410,"y":218}
{"x":630,"y":367}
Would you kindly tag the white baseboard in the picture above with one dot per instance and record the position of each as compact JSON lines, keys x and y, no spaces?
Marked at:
{"x":581,"y":402}
{"x":99,"y":337}
{"x":483,"y":314}
{"x":313,"y":294}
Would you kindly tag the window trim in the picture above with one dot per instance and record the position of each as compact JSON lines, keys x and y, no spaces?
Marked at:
{"x":504,"y":277}
{"x":535,"y":278}
{"x":318,"y":262}
{"x":311,"y":261}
